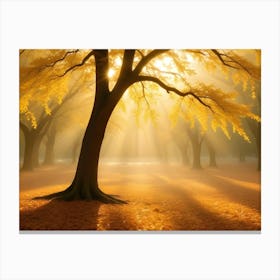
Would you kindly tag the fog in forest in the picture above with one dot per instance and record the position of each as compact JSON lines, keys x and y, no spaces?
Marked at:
{"x":181,"y":148}
{"x":133,"y":138}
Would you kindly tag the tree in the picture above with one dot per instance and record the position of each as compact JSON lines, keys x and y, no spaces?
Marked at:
{"x":42,"y":100}
{"x":34,"y":133}
{"x":196,"y":138}
{"x":211,"y":151}
{"x":33,"y":138}
{"x":50,"y":142}
{"x":136,"y":67}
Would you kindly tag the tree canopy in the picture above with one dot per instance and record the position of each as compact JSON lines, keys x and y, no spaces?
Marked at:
{"x":194,"y":80}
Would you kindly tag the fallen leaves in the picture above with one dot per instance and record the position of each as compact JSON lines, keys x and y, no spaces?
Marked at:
{"x":180,"y":200}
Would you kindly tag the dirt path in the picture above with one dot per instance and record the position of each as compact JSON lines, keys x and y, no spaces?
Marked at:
{"x":160,"y":198}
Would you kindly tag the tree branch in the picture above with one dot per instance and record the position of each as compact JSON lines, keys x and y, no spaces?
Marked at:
{"x":85,"y":59}
{"x":220,"y":56}
{"x":127,"y":61}
{"x":144,"y":96}
{"x":43,"y":121}
{"x":238,"y":63}
{"x":60,"y":59}
{"x":146,"y":59}
{"x":143,"y":78}
{"x":142,"y":55}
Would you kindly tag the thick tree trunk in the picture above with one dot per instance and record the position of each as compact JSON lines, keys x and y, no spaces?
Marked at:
{"x":85,"y":183}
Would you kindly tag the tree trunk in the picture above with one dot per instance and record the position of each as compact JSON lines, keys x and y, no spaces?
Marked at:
{"x":28,"y":152}
{"x":212,"y":156}
{"x":36,"y":150}
{"x":85,"y":183}
{"x":242,"y":156}
{"x":196,"y":145}
{"x":184,"y":153}
{"x":185,"y":158}
{"x":196,"y":141}
{"x":49,"y":152}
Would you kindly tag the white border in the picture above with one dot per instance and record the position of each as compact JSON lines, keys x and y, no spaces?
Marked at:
{"x":117,"y":24}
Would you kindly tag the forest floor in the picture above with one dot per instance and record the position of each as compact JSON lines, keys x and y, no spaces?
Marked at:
{"x":160,"y":197}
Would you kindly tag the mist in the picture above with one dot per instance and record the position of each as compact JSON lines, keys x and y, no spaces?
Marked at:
{"x":169,"y":160}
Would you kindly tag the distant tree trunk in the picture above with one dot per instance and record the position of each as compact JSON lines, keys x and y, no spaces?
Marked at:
{"x":184,"y":153}
{"x":28,"y":152}
{"x":49,"y":152}
{"x":185,"y":157}
{"x":36,"y":151}
{"x":212,"y":154}
{"x":242,"y":156}
{"x":33,"y":139}
{"x":196,"y":145}
{"x":196,"y":142}
{"x":256,"y":130}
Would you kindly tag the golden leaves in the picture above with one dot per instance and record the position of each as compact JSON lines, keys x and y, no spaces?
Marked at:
{"x":40,"y":86}
{"x":225,"y":110}
{"x":186,"y":70}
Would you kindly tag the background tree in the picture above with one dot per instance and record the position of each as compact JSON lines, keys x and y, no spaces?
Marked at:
{"x":42,"y":99}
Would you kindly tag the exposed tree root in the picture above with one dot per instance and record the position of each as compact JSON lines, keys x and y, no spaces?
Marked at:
{"x":88,"y":194}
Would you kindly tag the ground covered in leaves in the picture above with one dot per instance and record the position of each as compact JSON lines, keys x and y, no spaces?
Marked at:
{"x":160,"y":197}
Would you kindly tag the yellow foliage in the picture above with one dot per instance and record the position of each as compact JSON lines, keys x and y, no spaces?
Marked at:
{"x":183,"y":69}
{"x":40,"y":84}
